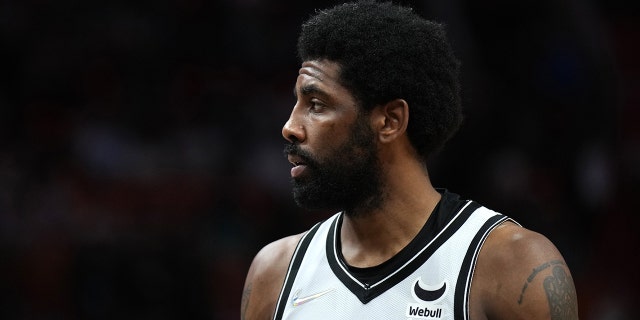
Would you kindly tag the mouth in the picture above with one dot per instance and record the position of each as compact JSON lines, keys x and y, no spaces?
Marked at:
{"x":296,"y":160}
{"x":299,"y":165}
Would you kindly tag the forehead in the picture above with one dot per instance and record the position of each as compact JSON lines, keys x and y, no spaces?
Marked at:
{"x":323,"y":70}
{"x":322,"y":75}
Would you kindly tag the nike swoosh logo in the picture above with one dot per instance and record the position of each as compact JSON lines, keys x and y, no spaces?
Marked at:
{"x":429,"y":294}
{"x":296,"y":301}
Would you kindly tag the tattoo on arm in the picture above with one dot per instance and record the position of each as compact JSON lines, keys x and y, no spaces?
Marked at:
{"x":245,"y":300}
{"x":561,"y":295}
{"x":535,"y":272}
{"x":559,"y":288}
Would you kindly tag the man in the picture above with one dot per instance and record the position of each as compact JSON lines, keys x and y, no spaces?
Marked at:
{"x":377,"y":94}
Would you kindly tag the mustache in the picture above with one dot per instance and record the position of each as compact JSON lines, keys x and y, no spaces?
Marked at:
{"x":294,"y":149}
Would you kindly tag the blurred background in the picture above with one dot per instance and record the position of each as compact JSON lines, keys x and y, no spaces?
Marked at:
{"x":140,"y":150}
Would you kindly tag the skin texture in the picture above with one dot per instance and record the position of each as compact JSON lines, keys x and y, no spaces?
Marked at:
{"x":519,"y":273}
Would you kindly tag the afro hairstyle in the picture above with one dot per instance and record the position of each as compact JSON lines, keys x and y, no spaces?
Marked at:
{"x":386,"y":52}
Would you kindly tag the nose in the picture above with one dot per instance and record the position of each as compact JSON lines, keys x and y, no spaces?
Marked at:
{"x":293,"y":130}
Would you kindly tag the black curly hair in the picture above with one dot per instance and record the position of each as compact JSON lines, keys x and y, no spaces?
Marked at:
{"x":386,"y":52}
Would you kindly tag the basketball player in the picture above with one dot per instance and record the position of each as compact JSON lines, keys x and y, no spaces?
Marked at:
{"x":377,"y":93}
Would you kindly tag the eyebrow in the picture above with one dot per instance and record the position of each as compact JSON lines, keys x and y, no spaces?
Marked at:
{"x":308,"y":90}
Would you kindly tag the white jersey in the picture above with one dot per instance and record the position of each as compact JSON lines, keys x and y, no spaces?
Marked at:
{"x":428,"y":279}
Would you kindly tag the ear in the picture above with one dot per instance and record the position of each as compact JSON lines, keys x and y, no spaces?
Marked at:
{"x":391,"y":120}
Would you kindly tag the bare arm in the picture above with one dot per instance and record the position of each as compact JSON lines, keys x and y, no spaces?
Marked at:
{"x":265,"y":278}
{"x":522,"y":275}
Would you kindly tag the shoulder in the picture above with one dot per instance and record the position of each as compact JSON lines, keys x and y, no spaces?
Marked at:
{"x":265,"y":278}
{"x":521,"y":274}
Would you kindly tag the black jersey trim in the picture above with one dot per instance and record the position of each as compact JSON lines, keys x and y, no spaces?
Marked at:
{"x":292,"y":272}
{"x":463,"y":285}
{"x":401,"y":268}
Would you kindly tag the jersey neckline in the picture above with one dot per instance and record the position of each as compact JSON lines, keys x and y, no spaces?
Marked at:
{"x":368,"y":283}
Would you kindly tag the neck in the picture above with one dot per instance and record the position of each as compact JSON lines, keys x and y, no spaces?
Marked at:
{"x":372,"y":235}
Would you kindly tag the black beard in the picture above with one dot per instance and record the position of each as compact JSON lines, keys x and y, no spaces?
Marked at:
{"x":348,"y":180}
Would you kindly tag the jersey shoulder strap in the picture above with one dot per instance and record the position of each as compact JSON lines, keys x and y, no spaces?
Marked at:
{"x":294,"y":267}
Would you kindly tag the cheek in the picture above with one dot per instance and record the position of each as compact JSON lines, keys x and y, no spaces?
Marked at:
{"x":324,"y":132}
{"x":334,"y":135}
{"x":326,"y":139}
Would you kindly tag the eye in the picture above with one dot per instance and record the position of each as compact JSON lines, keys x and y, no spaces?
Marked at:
{"x":315,"y":105}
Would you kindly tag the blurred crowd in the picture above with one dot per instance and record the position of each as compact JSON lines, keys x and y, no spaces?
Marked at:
{"x":141,"y":162}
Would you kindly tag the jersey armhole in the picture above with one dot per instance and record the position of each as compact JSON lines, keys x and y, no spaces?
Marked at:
{"x":292,"y":271}
{"x":463,"y":287}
